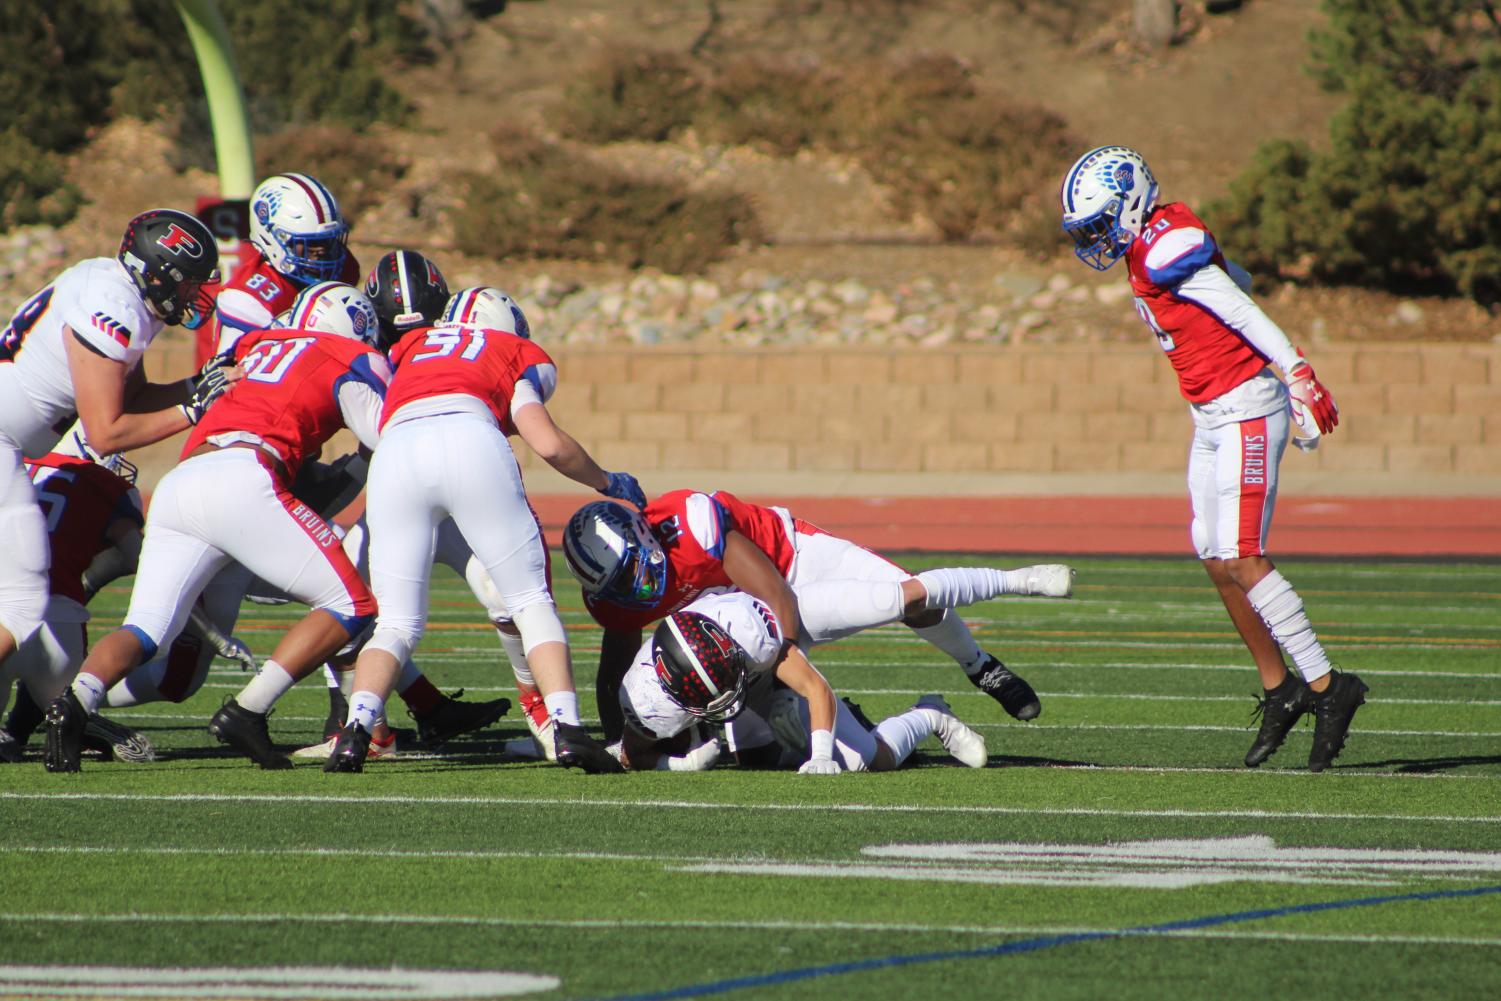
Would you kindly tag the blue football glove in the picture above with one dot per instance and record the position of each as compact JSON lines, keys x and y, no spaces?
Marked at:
{"x":623,"y":486}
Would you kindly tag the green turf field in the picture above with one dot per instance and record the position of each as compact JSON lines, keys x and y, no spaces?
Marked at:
{"x":1114,"y":849}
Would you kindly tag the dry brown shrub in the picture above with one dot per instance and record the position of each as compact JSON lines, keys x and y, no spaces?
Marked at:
{"x":359,"y":169}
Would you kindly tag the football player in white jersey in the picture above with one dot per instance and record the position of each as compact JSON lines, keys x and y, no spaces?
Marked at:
{"x":1222,"y":347}
{"x":715,"y":661}
{"x":75,"y":347}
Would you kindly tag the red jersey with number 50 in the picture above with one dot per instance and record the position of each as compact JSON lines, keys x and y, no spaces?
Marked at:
{"x":80,"y":500}
{"x":291,"y":396}
{"x":692,"y":527}
{"x":450,"y":360}
{"x":1210,"y":357}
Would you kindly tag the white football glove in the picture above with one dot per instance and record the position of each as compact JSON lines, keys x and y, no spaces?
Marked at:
{"x":820,"y":766}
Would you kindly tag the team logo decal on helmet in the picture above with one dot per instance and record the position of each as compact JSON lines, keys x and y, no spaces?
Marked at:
{"x":1107,"y":195}
{"x":700,"y":667}
{"x":180,"y":241}
{"x":611,"y":550}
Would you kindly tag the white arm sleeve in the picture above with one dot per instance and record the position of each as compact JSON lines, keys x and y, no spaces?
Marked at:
{"x":361,"y":406}
{"x":1211,"y":288}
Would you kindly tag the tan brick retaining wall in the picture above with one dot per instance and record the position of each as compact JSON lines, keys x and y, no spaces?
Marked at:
{"x":1407,"y":410}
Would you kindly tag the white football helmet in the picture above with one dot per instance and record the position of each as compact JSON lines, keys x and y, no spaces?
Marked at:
{"x":1107,"y":195}
{"x":488,"y":307}
{"x":333,"y":308}
{"x":295,"y":222}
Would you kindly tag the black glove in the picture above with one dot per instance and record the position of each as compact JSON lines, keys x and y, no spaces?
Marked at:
{"x":211,"y":382}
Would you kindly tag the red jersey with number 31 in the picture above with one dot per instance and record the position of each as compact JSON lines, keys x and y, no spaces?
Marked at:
{"x":290,"y":397}
{"x":450,"y":360}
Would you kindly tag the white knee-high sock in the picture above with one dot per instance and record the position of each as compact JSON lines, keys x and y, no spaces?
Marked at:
{"x":903,"y":733}
{"x":1282,"y":610}
{"x":270,"y":683}
{"x":952,"y":636}
{"x":952,"y":587}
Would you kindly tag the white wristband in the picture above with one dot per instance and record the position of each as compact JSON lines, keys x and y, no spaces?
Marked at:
{"x":821,"y":745}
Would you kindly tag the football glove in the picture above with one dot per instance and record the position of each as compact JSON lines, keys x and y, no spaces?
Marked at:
{"x":623,"y":486}
{"x":211,"y":382}
{"x":1310,"y":400}
{"x":820,"y":766}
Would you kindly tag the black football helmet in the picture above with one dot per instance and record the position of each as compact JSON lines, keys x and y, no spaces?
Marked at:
{"x":171,"y":256}
{"x":700,"y":667}
{"x":408,"y":291}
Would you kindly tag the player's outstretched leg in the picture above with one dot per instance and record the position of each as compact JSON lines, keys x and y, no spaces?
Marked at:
{"x":1334,"y":710}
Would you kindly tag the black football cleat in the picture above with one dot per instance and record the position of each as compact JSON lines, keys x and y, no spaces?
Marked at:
{"x":451,"y":717}
{"x":350,"y":750}
{"x":1279,"y":711}
{"x":858,"y":713}
{"x":11,"y":752}
{"x":1334,"y":710}
{"x":66,"y":721}
{"x":576,"y":749}
{"x":25,"y":716}
{"x":246,"y":732}
{"x":1011,"y":691}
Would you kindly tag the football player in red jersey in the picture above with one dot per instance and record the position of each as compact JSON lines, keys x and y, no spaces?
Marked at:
{"x":636,"y":568}
{"x":458,"y":388}
{"x":229,"y":500}
{"x":1222,"y":347}
{"x":299,"y":238}
{"x":91,"y":506}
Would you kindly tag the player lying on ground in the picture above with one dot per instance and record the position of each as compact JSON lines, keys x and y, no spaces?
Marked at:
{"x":1221,"y":345}
{"x":720,"y":660}
{"x":459,"y":388}
{"x":229,"y":500}
{"x":636,"y":568}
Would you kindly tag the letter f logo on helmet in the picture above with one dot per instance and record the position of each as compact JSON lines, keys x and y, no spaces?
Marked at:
{"x":179,"y":241}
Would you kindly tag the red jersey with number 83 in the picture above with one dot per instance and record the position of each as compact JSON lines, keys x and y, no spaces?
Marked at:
{"x":470,"y":361}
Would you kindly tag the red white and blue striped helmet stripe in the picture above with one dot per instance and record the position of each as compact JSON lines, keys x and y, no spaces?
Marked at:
{"x":333,"y":308}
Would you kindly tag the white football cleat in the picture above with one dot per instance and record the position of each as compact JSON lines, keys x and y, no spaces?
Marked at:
{"x":965,"y":745}
{"x":542,"y":738}
{"x":1050,"y":580}
{"x":380,"y":750}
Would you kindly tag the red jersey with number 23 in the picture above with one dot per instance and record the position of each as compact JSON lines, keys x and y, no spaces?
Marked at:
{"x":455,"y":359}
{"x":692,"y":527}
{"x":1210,"y":357}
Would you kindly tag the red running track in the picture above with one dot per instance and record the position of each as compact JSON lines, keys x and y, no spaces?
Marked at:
{"x":1316,"y":526}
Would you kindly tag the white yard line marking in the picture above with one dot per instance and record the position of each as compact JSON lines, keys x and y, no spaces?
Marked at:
{"x":609,"y":924}
{"x":668,"y":804}
{"x":253,"y":982}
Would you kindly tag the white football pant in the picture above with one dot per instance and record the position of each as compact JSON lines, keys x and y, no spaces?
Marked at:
{"x":1232,"y":482}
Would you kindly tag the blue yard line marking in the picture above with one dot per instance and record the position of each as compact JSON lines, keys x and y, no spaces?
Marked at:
{"x":1036,"y":944}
